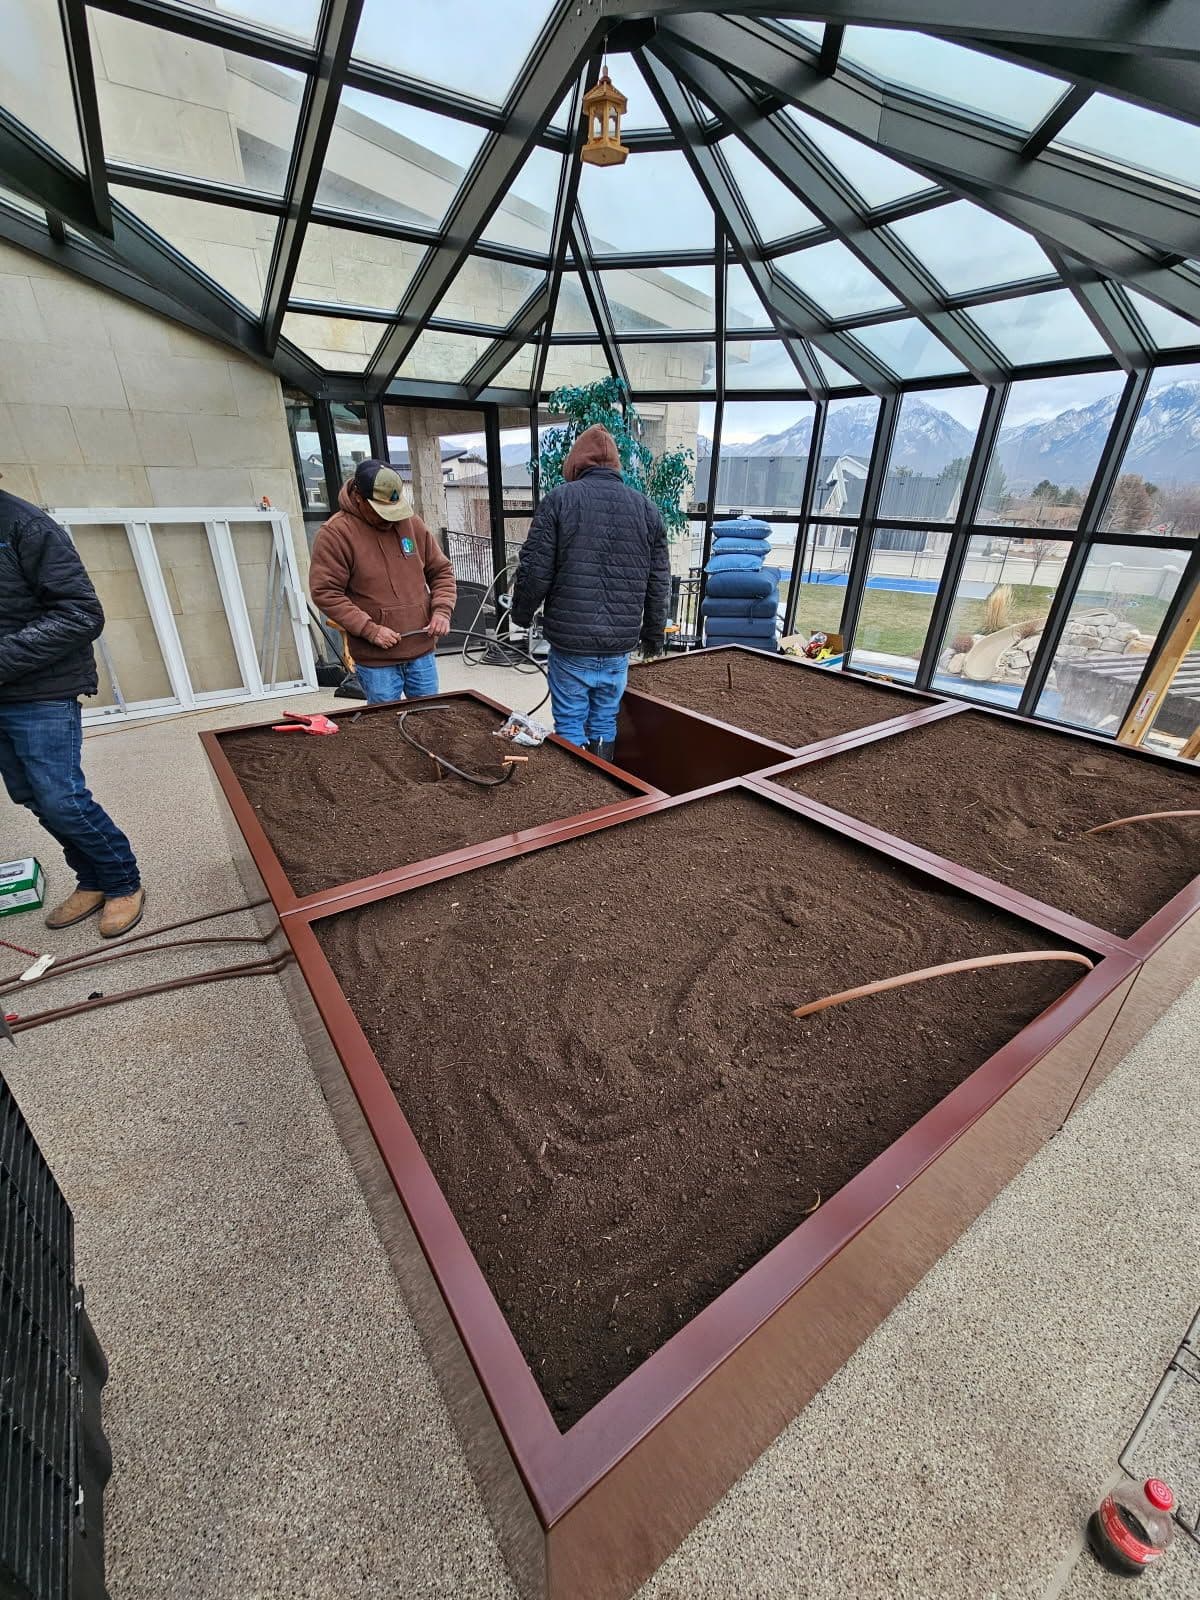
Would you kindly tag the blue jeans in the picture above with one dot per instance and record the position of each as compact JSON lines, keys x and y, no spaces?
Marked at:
{"x":401,"y":680}
{"x":585,"y":692}
{"x":41,"y":742}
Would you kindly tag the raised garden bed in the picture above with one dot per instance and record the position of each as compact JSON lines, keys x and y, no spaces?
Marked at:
{"x":597,"y":1136}
{"x":1013,"y":800}
{"x":334,"y":809}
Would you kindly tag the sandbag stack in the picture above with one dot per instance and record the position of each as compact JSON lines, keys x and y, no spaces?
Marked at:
{"x":741,"y":601}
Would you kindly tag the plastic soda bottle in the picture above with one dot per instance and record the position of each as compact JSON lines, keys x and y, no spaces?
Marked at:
{"x":1132,"y":1526}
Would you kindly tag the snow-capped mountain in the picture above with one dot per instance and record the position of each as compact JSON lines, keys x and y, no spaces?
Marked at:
{"x":926,"y":437}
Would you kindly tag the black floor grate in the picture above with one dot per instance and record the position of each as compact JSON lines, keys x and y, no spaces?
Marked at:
{"x":38,"y":1368}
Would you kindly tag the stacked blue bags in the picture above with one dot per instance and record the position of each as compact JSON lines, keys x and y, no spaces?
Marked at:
{"x":741,"y":600}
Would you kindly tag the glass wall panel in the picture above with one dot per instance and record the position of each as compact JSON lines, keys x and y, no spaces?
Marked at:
{"x":177,"y":105}
{"x":775,"y":210}
{"x":1000,"y":608}
{"x":878,"y":179}
{"x":764,"y":456}
{"x":233,"y":247}
{"x":966,"y":248}
{"x":670,"y":366}
{"x":388,"y":159}
{"x":35,"y":84}
{"x":1159,"y":487}
{"x":1124,"y":135}
{"x":476,"y":47}
{"x":1115,"y":617}
{"x":908,"y":348}
{"x":651,"y":203}
{"x":351,"y":435}
{"x":935,"y":434}
{"x":306,"y":443}
{"x":948,"y":72}
{"x":525,"y":216}
{"x":903,"y":574}
{"x":660,"y":297}
{"x":355,"y":269}
{"x":444,"y":357}
{"x":338,"y":343}
{"x":1051,"y":438}
{"x":822,"y":578}
{"x":743,"y":309}
{"x":1039,"y":327}
{"x":850,"y":427}
{"x":836,"y":279}
{"x":760,"y":364}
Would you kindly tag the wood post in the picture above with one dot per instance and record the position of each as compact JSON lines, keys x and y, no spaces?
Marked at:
{"x":1140,"y":717}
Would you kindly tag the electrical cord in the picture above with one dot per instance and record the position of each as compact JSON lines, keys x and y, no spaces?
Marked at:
{"x":490,"y":650}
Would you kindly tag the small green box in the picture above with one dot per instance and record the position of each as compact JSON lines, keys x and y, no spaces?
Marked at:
{"x":22,"y":886}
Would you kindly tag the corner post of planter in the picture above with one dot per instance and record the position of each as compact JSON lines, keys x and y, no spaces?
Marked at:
{"x":960,"y":538}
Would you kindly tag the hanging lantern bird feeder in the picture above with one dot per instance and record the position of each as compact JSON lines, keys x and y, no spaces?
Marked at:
{"x":604,"y":105}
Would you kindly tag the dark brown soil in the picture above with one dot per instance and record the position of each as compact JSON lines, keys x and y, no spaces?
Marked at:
{"x":1014,"y":802}
{"x":789,"y":702}
{"x":361,"y":801}
{"x":593,"y":1045}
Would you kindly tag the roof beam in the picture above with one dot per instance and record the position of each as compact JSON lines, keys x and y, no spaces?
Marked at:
{"x":87,"y":108}
{"x":793,"y":317}
{"x":949,"y":147}
{"x":783,"y":148}
{"x":593,"y":293}
{"x":1055,"y":120}
{"x":571,"y":35}
{"x":1160,"y":82}
{"x":335,"y":41}
{"x":564,"y":216}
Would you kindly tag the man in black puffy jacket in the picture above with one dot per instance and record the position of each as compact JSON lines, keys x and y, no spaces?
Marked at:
{"x":49,"y":615}
{"x":596,"y":556}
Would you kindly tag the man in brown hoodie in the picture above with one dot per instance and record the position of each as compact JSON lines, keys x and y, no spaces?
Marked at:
{"x":378,"y":572}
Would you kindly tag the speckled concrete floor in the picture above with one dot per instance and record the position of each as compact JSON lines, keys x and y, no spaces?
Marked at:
{"x":277,"y":1433}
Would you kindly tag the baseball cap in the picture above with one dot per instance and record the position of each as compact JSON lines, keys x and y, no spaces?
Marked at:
{"x":384,"y":488}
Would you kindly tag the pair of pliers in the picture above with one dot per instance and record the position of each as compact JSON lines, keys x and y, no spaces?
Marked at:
{"x":299,"y":722}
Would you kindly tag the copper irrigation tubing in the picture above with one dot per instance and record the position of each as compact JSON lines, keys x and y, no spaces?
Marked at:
{"x":1144,"y":816}
{"x":905,"y":978}
{"x":249,"y":969}
{"x":102,"y":958}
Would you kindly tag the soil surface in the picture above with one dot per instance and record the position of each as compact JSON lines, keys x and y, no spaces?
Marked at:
{"x":1014,"y":802}
{"x":786,"y":701}
{"x":361,"y":801}
{"x":594,"y":1047}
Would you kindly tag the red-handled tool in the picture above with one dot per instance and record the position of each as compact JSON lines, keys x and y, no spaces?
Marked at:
{"x":298,"y":722}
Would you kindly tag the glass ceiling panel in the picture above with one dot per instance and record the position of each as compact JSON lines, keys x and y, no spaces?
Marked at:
{"x":967,"y":248}
{"x":877,"y":178}
{"x":1167,"y":329}
{"x":21,"y":204}
{"x":233,"y":247}
{"x":660,"y":297}
{"x":837,"y":280}
{"x":572,"y":313}
{"x":835,"y":375}
{"x":908,"y":348}
{"x":1134,"y":136}
{"x":525,"y":216}
{"x":643,"y":111}
{"x":775,"y":211}
{"x":650,"y":203}
{"x":443,"y":357}
{"x":295,"y":17}
{"x":488,"y":292}
{"x":387,"y":159}
{"x":337,"y":343}
{"x":948,"y":72}
{"x":743,"y":308}
{"x":355,"y":269}
{"x":518,"y":374}
{"x":814,"y":32}
{"x":1039,"y":327}
{"x":176,"y":105}
{"x":575,"y":364}
{"x":475,"y":47}
{"x":760,"y":364}
{"x":35,"y":85}
{"x":670,"y":366}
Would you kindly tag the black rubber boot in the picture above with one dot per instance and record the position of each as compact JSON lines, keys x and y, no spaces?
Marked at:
{"x":604,"y":748}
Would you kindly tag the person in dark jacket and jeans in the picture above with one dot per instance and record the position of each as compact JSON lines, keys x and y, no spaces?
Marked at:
{"x":596,"y":556}
{"x":49,"y":615}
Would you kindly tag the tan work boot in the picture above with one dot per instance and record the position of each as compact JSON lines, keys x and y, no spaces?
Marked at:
{"x":80,"y":903}
{"x":122,"y":913}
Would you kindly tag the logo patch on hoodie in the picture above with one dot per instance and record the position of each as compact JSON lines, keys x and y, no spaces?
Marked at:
{"x":408,"y":547}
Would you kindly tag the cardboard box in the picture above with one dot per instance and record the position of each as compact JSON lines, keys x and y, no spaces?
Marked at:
{"x":22,"y":886}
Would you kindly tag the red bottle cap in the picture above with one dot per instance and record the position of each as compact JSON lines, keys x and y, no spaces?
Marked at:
{"x":1159,"y":1495}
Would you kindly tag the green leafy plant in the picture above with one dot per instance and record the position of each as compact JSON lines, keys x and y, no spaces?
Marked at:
{"x":665,"y":478}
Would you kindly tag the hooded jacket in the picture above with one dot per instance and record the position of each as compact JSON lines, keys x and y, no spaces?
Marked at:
{"x":595,"y":557}
{"x":49,"y":612}
{"x":367,"y":573}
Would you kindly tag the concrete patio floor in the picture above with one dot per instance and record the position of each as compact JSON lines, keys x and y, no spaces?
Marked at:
{"x":277,"y":1433}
